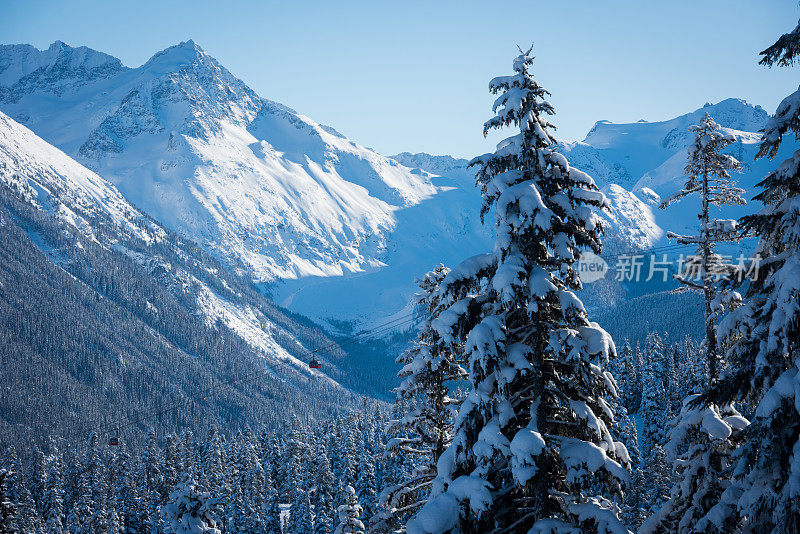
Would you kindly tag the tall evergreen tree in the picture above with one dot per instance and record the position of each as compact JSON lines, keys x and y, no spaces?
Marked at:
{"x":532,"y":446}
{"x":212,"y":468}
{"x":323,"y":496}
{"x":654,"y":409}
{"x":172,"y":464}
{"x":8,"y":509}
{"x":53,"y":498}
{"x":625,"y":430}
{"x":764,"y":339}
{"x":96,"y":472}
{"x":700,"y":444}
{"x":349,"y":513}
{"x":273,"y":521}
{"x":695,"y":370}
{"x":625,"y":371}
{"x":35,"y":476}
{"x":27,"y":512}
{"x":153,"y":482}
{"x":189,"y":511}
{"x":708,"y":176}
{"x":366,"y":485}
{"x":79,"y":517}
{"x":700,"y":448}
{"x":655,"y":480}
{"x":187,"y":454}
{"x":323,"y":515}
{"x":425,"y":428}
{"x":301,"y":519}
{"x":128,"y":494}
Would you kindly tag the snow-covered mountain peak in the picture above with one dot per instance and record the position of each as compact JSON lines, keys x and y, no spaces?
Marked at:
{"x":272,"y":192}
{"x":184,"y":55}
{"x":736,"y":114}
{"x":623,"y":153}
{"x":733,"y":113}
{"x":180,"y":91}
{"x":185,"y":74}
{"x":58,"y":69}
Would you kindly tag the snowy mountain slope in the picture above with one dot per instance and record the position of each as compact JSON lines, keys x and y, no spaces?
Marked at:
{"x":58,"y":69}
{"x":267,"y":189}
{"x":86,"y":207}
{"x":629,"y":222}
{"x":648,"y":158}
{"x":455,"y":168}
{"x":623,"y":153}
{"x":281,"y":198}
{"x":56,"y":183}
{"x":636,"y":165}
{"x":332,"y":229}
{"x":442,"y":229}
{"x":736,"y":117}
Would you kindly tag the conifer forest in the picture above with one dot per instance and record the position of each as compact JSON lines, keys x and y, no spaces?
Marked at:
{"x":218,"y":315}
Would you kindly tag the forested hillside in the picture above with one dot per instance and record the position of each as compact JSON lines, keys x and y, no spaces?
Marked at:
{"x":108,"y":318}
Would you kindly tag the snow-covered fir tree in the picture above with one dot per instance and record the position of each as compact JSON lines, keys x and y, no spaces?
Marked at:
{"x":700,"y":443}
{"x":132,"y":513}
{"x":425,"y":428}
{"x":95,"y":471}
{"x":151,"y":489}
{"x":212,"y":463}
{"x":324,"y":494}
{"x":171,"y":465}
{"x":349,"y":514}
{"x":764,"y":339}
{"x":190,"y":511}
{"x":654,"y":409}
{"x":625,"y":430}
{"x":624,"y":368}
{"x":699,"y":447}
{"x":691,"y":370}
{"x":8,"y":509}
{"x":81,"y":510}
{"x":708,"y":176}
{"x":187,"y":452}
{"x":28,"y":513}
{"x":653,"y":479}
{"x":366,"y":484}
{"x":301,"y":519}
{"x":35,"y":476}
{"x":532,"y":447}
{"x":53,"y":498}
{"x":270,"y":510}
{"x":626,"y":372}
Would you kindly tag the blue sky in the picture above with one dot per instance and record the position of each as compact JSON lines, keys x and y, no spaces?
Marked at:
{"x":413,"y":75}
